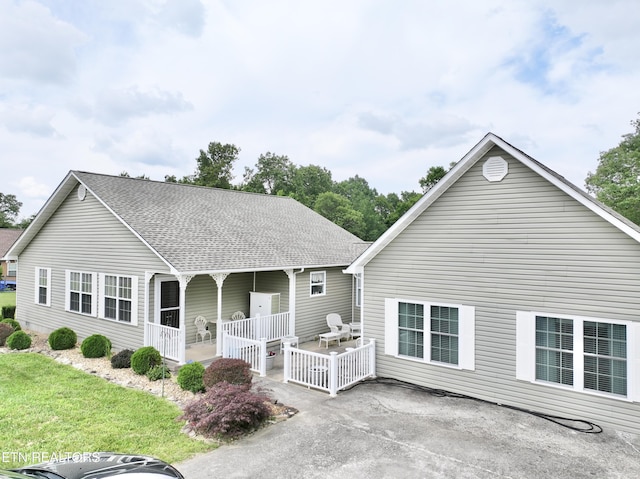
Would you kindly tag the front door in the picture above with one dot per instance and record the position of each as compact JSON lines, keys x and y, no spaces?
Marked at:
{"x":170,"y":303}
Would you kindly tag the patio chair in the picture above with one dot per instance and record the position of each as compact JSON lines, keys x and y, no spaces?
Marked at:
{"x":201,"y":328}
{"x":238,"y":315}
{"x":334,"y":321}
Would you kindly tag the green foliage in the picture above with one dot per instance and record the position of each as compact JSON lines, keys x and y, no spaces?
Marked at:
{"x":5,"y":331}
{"x":230,"y":370}
{"x":9,"y":312}
{"x":158,"y":372}
{"x":435,"y":174}
{"x":227,"y":411}
{"x":214,"y":166}
{"x":338,"y":209}
{"x":144,"y":359}
{"x":272,"y":176}
{"x":616,"y":182}
{"x":19,"y":340}
{"x":190,"y":377}
{"x":13,"y":323}
{"x":9,"y":209}
{"x":95,"y":346}
{"x":62,"y":338}
{"x":122,"y":360}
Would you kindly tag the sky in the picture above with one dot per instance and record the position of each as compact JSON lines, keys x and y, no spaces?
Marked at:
{"x":383,"y":89}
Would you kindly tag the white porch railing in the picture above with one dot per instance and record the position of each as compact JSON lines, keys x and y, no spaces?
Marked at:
{"x":271,"y":327}
{"x":329,"y":372}
{"x":250,"y":350}
{"x":166,"y":339}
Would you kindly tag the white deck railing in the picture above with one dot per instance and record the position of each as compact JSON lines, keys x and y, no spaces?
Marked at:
{"x":271,"y":327}
{"x":166,"y":339}
{"x":329,"y":372}
{"x":252,"y":351}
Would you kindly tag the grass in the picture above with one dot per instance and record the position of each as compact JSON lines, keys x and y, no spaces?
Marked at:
{"x":48,"y":407}
{"x":7,"y":298}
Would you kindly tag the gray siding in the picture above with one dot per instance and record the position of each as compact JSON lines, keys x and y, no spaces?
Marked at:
{"x":274,"y":282}
{"x":83,"y":236}
{"x":311,"y":312}
{"x":519,"y":244}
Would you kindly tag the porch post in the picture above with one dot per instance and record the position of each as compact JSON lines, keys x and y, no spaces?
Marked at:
{"x":183,"y":279}
{"x":219,"y":279}
{"x":147,"y":281}
{"x":292,"y":301}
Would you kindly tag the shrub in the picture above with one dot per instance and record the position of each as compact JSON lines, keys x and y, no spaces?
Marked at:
{"x":19,"y":340}
{"x":232,"y":371}
{"x":62,"y":338}
{"x":190,"y":377}
{"x":13,"y":323}
{"x":227,"y":410}
{"x":8,"y":312}
{"x":144,"y":359}
{"x":157,"y":372}
{"x":122,"y":360}
{"x":5,"y":331}
{"x":95,"y":346}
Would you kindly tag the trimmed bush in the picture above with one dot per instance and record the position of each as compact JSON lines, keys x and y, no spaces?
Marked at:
{"x":227,"y":411}
{"x":13,"y":323}
{"x":62,"y":338}
{"x":190,"y":377}
{"x":122,"y":360}
{"x":144,"y":359}
{"x":156,"y":373}
{"x":19,"y":340}
{"x":232,"y":371}
{"x":5,"y":331}
{"x":95,"y":346}
{"x":9,"y":312}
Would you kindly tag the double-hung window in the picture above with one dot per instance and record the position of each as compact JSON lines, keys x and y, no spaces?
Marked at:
{"x":583,"y":354}
{"x":12,"y":269}
{"x":318,"y":283}
{"x":118,"y":299}
{"x":81,"y":292}
{"x":430,"y":332}
{"x":43,"y":286}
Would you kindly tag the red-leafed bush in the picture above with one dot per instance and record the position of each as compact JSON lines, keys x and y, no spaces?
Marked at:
{"x":227,"y":411}
{"x":230,"y":370}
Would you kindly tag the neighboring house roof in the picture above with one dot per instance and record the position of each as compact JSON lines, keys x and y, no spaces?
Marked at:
{"x":7,"y":238}
{"x":197,"y":229}
{"x":471,"y":158}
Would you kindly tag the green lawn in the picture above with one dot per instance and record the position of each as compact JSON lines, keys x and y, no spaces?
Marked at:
{"x":7,"y":299}
{"x":48,"y":407}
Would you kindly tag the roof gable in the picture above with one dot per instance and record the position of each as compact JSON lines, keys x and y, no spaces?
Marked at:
{"x":469,"y":160}
{"x":7,"y":238}
{"x":198,"y":229}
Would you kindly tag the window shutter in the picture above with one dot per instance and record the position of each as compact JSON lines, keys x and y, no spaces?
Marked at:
{"x":134,"y":300}
{"x":101,"y":295}
{"x":36,"y":297}
{"x":67,"y":292}
{"x":467,"y":338}
{"x":391,"y":326}
{"x":48,"y":286}
{"x":525,"y":346}
{"x":633,"y":362}
{"x":94,"y":294}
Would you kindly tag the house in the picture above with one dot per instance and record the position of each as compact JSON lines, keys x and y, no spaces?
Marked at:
{"x":8,"y":268}
{"x":507,"y":283}
{"x":139,"y":260}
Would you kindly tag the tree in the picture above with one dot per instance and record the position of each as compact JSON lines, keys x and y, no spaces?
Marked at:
{"x":309,"y":182}
{"x":434,"y":175}
{"x":363,"y":199}
{"x":616,"y":182}
{"x":338,"y":209}
{"x":9,"y":209}
{"x":214,"y":166}
{"x":273,"y":175}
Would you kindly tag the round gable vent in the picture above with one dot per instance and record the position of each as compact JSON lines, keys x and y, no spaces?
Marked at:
{"x":82,"y":192}
{"x":495,"y":168}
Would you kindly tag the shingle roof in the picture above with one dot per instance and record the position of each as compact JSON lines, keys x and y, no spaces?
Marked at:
{"x":7,"y":238}
{"x":199,"y":229}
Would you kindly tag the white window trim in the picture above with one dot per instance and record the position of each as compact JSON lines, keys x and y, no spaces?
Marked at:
{"x":36,"y":298}
{"x":134,"y":298}
{"x":466,"y":333}
{"x":94,"y":292}
{"x":311,"y":284}
{"x":526,"y":354}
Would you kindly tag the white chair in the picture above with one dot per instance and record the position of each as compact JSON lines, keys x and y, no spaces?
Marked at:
{"x":201,"y":328}
{"x":238,"y":315}
{"x":334,"y":321}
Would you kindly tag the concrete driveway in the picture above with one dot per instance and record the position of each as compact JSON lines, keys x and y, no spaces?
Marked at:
{"x":382,"y":431}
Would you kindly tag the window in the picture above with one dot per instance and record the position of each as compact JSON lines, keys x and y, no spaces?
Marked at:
{"x":12,"y":268}
{"x":579,"y":353}
{"x":118,"y":300}
{"x":43,"y":286}
{"x":434,"y":333}
{"x":81,"y":292}
{"x":318,"y":283}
